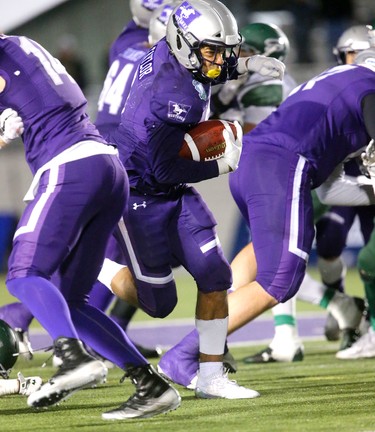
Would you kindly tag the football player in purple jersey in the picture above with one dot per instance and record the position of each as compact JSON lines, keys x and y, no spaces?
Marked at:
{"x":77,"y":196}
{"x":125,"y":54}
{"x":166,"y":221}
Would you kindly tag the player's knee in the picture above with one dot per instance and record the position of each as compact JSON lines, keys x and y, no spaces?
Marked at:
{"x":330,"y":238}
{"x":217,"y":277}
{"x":366,"y":265}
{"x":160,"y":304}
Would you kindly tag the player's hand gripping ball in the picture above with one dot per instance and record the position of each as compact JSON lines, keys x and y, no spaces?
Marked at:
{"x":205,"y":142}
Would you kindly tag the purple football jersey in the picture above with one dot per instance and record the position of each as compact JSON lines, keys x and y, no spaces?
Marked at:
{"x":126,"y":53}
{"x":130,"y":36}
{"x":322,"y":119}
{"x":164,"y":102}
{"x":50,"y":102}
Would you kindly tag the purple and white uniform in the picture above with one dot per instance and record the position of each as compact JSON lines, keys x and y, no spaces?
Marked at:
{"x":77,"y":196}
{"x":125,"y":55}
{"x":291,"y":152}
{"x":167,"y":221}
{"x":60,"y":145}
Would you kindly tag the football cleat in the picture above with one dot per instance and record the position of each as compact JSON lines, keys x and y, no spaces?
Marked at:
{"x":269,"y":355}
{"x":364,"y":347}
{"x":153,"y":396}
{"x":149,"y":352}
{"x":28,"y":385}
{"x":229,"y":363}
{"x":332,"y":330}
{"x":219,"y":386}
{"x":77,"y":371}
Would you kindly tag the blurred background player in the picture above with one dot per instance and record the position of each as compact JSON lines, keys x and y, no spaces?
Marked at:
{"x":333,"y":227}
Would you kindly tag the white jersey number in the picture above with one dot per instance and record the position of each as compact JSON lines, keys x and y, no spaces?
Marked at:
{"x":114,"y":87}
{"x":51,"y":65}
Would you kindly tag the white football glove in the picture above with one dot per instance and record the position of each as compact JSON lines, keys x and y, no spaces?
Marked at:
{"x":368,"y":158}
{"x":233,"y":149}
{"x":11,"y":125}
{"x":266,"y":66}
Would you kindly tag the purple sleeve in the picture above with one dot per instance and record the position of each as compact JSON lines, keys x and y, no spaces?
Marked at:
{"x":169,"y":168}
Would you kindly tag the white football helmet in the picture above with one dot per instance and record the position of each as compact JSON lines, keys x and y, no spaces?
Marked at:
{"x":354,"y":39}
{"x":366,"y":58}
{"x":201,"y":22}
{"x":142,"y":10}
{"x":159,"y":20}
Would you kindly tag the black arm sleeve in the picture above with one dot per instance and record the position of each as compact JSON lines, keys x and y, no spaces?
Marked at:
{"x":368,"y":107}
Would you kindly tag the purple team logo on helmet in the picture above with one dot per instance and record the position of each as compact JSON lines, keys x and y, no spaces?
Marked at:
{"x":152,"y":4}
{"x":165,"y":14}
{"x":186,"y":14}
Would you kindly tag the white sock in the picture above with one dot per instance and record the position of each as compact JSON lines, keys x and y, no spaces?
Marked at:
{"x":212,"y":335}
{"x":311,"y":291}
{"x":9,"y":386}
{"x":207,"y":369}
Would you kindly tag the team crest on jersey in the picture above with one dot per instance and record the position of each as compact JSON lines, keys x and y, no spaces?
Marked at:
{"x":152,"y":4}
{"x":200,"y":89}
{"x":186,"y":14}
{"x":178,"y":111}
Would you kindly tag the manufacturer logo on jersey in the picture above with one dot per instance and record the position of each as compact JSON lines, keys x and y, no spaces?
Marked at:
{"x":143,"y":204}
{"x":200,"y":89}
{"x":186,"y":14}
{"x":152,"y":4}
{"x":178,"y":111}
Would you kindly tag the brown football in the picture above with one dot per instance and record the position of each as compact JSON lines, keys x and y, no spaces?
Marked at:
{"x":205,"y":142}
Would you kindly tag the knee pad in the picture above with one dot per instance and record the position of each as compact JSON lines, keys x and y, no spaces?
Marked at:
{"x":215,"y":276}
{"x":157,"y":302}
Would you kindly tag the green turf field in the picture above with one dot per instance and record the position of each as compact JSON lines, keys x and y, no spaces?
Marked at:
{"x":319,"y":394}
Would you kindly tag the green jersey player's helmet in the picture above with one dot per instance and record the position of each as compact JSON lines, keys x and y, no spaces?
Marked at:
{"x":264,"y":39}
{"x":8,"y":349}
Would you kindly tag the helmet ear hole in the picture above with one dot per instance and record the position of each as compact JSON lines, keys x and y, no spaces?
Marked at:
{"x":178,"y":42}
